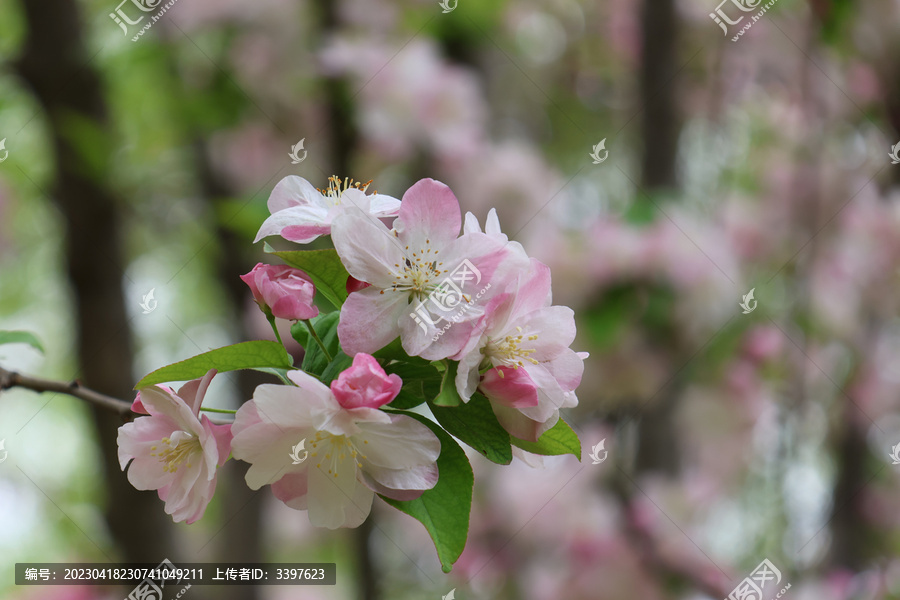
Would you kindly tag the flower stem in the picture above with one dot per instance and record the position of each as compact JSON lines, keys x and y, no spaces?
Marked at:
{"x":218,"y":410}
{"x":271,"y":319}
{"x":315,"y":336}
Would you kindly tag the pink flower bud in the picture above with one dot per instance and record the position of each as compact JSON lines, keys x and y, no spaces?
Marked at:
{"x":365,"y":384}
{"x":286,"y":291}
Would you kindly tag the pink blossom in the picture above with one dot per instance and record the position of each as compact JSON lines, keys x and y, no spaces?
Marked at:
{"x":365,"y":384}
{"x":355,"y":449}
{"x":301,"y":213}
{"x":524,"y":344}
{"x":421,"y":272}
{"x":174,"y":451}
{"x":284,"y":291}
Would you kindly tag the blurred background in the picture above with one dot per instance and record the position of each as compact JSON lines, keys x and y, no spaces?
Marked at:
{"x":758,"y":164}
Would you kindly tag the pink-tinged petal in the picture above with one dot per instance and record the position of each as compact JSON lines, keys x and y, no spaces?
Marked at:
{"x":294,"y":191}
{"x":182,"y":487}
{"x":368,"y":249}
{"x":401,"y":444}
{"x":193,"y":508}
{"x":551,"y":396}
{"x":304,"y":234}
{"x":567,"y":369}
{"x":533,"y":290}
{"x":161,"y":403}
{"x":136,"y":438}
{"x":429,"y":210}
{"x":294,"y":308}
{"x":517,"y":424}
{"x":147,"y":473}
{"x":365,"y":384}
{"x":292,"y":489}
{"x":397,"y":483}
{"x":194,"y":391}
{"x":370,"y":320}
{"x":337,"y":499}
{"x":354,"y":284}
{"x":285,"y":223}
{"x":509,"y":387}
{"x":384,"y":206}
{"x":554,"y":327}
{"x":137,"y":406}
{"x":222,"y":436}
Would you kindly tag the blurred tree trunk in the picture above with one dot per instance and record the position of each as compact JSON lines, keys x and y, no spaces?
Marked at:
{"x":241,"y":538}
{"x":657,"y":444}
{"x":343,"y":139}
{"x":661,"y":122}
{"x":56,"y":67}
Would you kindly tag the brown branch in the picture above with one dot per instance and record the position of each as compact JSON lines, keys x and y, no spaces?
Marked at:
{"x":10,"y":379}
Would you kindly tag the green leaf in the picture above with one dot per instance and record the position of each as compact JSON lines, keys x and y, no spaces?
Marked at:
{"x":21,"y":337}
{"x":314,"y":360}
{"x":559,"y":439}
{"x":277,"y":372}
{"x":474,"y":423}
{"x":246,"y":355}
{"x":395,"y":351}
{"x":324,"y":267}
{"x":420,"y":381}
{"x":448,"y":395}
{"x":340,"y":363}
{"x":444,"y":509}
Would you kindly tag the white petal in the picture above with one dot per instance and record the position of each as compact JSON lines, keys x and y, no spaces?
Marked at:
{"x":341,"y":501}
{"x":368,"y":249}
{"x":294,"y":191}
{"x":295,"y":215}
{"x":402,"y":444}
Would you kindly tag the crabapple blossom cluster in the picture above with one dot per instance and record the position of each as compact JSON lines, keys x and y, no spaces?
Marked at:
{"x":427,"y":329}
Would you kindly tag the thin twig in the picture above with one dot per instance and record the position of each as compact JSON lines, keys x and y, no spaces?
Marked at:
{"x":11,"y":379}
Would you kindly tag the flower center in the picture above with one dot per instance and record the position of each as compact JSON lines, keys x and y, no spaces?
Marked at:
{"x":177,"y":449}
{"x":337,"y":187}
{"x":419,"y":272}
{"x":336,"y":448}
{"x":509,"y":352}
